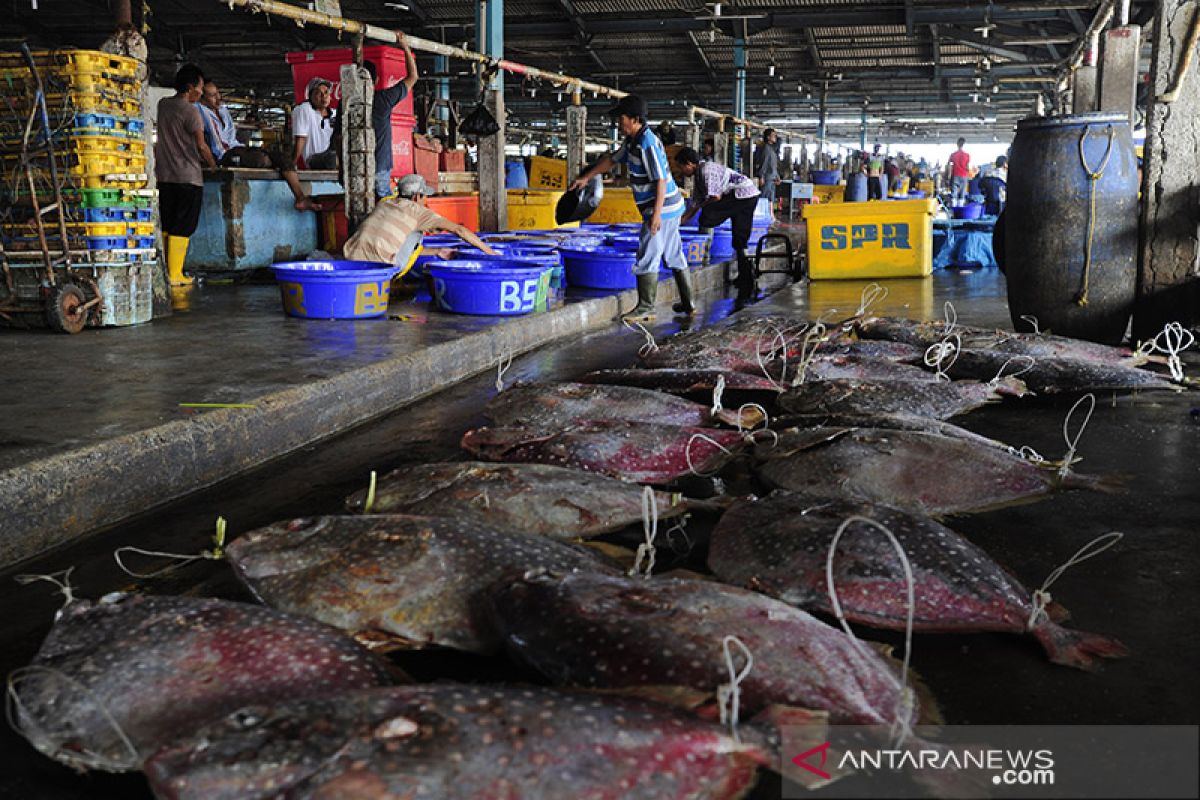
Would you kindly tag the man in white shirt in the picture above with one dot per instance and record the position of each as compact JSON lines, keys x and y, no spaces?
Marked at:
{"x":720,"y":194}
{"x":312,"y":128}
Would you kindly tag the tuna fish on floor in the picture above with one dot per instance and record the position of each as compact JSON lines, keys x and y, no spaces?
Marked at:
{"x":779,"y":546}
{"x":925,"y":398}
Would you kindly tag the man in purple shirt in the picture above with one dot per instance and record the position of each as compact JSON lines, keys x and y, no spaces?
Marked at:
{"x":721,"y":194}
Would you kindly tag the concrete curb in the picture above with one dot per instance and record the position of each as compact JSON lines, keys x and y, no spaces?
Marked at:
{"x":52,"y":501}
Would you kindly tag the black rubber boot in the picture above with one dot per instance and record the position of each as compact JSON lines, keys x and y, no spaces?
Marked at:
{"x":747,"y":289}
{"x":683,"y":282}
{"x":647,"y":289}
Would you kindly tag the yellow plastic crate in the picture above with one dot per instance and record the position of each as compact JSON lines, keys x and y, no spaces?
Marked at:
{"x":533,"y":210}
{"x":829,"y":194}
{"x":925,"y":186}
{"x":906,"y":297}
{"x":103,"y":102}
{"x":108,"y":145}
{"x":547,"y":173}
{"x":881,"y":239}
{"x":903,"y":189}
{"x":140,"y":228}
{"x":72,"y":60}
{"x":616,"y":206}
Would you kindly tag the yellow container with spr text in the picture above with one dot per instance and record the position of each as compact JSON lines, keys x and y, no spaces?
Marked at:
{"x":888,"y":239}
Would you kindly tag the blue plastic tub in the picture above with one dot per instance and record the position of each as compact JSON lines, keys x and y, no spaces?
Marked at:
{"x":825,"y":177}
{"x":489,"y":288}
{"x":626,"y":241}
{"x":334,"y":289}
{"x":599,"y":267}
{"x":969,"y":211}
{"x":721,"y":248}
{"x":695,"y":247}
{"x":541,"y":258}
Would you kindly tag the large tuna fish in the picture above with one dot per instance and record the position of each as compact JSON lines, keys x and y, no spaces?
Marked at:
{"x":533,"y":498}
{"x":779,"y":546}
{"x":937,"y":399}
{"x":1052,"y":375}
{"x":459,"y":741}
{"x":607,"y":631}
{"x":834,"y":366}
{"x":557,"y":405}
{"x":686,"y":381}
{"x":1036,"y":345}
{"x":895,"y":422}
{"x":922,"y":472}
{"x":632,"y":451}
{"x":394,"y":580}
{"x":120,"y":677}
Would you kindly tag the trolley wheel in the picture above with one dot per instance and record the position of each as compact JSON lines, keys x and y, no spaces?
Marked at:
{"x":64,"y":312}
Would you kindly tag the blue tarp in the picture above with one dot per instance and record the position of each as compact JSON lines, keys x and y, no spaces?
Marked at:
{"x":963,"y":243}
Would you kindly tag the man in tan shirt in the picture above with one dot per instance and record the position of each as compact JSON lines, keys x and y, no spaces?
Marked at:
{"x":395,"y":228}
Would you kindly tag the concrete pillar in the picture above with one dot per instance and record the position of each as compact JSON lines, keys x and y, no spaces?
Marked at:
{"x":739,"y":77}
{"x":823,"y":116}
{"x":1084,"y":95}
{"x":489,"y":35}
{"x":576,"y":130}
{"x":747,"y":155}
{"x":1119,"y":69}
{"x":441,"y":65}
{"x":358,"y":143}
{"x":862,"y":132}
{"x":1169,"y":251}
{"x":493,"y":199}
{"x":721,"y":147}
{"x":693,"y":137}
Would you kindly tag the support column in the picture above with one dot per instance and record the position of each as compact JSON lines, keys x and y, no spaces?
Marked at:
{"x":721,"y":144}
{"x":576,"y":138}
{"x":746,"y":167}
{"x":693,"y":137}
{"x":493,"y":199}
{"x":739,"y":77}
{"x":441,"y":65}
{"x":1119,"y":70}
{"x":862,"y":132}
{"x":821,"y":126}
{"x":1169,"y":251}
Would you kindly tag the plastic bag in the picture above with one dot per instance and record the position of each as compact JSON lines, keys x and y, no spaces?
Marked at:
{"x":479,"y":122}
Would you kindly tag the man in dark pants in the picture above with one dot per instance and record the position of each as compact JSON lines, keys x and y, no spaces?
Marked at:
{"x":721,"y":194}
{"x":381,"y":115}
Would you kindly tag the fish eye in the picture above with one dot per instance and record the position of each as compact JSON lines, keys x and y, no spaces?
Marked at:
{"x":244,"y":719}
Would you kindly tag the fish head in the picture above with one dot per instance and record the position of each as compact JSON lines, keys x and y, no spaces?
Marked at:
{"x":493,"y":443}
{"x":284,"y":547}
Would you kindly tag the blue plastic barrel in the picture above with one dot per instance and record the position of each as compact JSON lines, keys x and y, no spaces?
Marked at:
{"x":514,"y":175}
{"x":721,"y":248}
{"x":856,"y":188}
{"x":489,"y":288}
{"x":825,"y":177}
{"x":599,"y":267}
{"x":334,"y":289}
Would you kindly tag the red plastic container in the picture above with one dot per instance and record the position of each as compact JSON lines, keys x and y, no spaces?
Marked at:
{"x":425,"y":159}
{"x":389,"y":61}
{"x":454,"y":160}
{"x":332,"y":225}
{"x":463,"y":209}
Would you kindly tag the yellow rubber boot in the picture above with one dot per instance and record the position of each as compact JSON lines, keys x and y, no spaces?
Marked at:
{"x":177,"y":247}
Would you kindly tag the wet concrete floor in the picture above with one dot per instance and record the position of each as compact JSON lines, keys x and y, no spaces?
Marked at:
{"x":1145,"y":591}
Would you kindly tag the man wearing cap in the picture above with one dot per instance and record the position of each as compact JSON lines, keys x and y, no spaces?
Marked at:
{"x":381,"y":114}
{"x":312,"y":128}
{"x":393,"y":231}
{"x":657,"y":198}
{"x":721,"y":194}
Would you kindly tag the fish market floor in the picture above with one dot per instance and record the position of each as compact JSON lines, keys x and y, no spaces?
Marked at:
{"x":1145,"y":591}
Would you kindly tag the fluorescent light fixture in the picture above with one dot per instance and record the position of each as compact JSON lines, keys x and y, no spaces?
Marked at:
{"x":716,"y":9}
{"x":771,"y":71}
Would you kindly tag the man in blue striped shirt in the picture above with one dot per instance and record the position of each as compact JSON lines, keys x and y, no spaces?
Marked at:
{"x":657,"y":198}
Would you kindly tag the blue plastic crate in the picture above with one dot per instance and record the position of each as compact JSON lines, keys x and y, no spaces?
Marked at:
{"x":109,"y":214}
{"x":143,"y":215}
{"x":95,"y":120}
{"x":141,"y":242}
{"x":135,"y":127}
{"x":106,"y":242}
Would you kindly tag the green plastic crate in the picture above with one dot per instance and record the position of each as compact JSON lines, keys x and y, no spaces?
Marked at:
{"x":101,"y":198}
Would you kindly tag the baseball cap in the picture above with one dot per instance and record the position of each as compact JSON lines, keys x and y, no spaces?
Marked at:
{"x":630,"y":106}
{"x":412,"y":185}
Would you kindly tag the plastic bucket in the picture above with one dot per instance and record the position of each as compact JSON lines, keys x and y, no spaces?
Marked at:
{"x":721,"y":248}
{"x":599,"y":267}
{"x":514,"y":175}
{"x":695,"y":248}
{"x":489,"y":288}
{"x":334,"y":289}
{"x":969,"y":211}
{"x":825,"y":177}
{"x":543,"y":259}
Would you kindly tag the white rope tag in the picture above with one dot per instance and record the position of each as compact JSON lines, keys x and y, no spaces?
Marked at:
{"x":872,"y":293}
{"x":1000,"y":374}
{"x":936,"y":355}
{"x":719,"y":390}
{"x":215,"y":554}
{"x":679,"y":529}
{"x":650,"y":345}
{"x":951,"y":317}
{"x":646,"y":551}
{"x":1041,"y":597}
{"x":61,"y":580}
{"x":1073,"y":442}
{"x":758,"y":355}
{"x":1032,"y":320}
{"x":905,"y":705}
{"x":1028,"y":453}
{"x":369,"y":503}
{"x":766,"y":418}
{"x":815,"y":337}
{"x":687,"y":454}
{"x":729,"y":695}
{"x":1174,"y":340}
{"x":501,"y":368}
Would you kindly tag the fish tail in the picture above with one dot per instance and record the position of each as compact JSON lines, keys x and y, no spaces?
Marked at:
{"x":1108,"y":484}
{"x":740,"y":418}
{"x":1077,"y":649}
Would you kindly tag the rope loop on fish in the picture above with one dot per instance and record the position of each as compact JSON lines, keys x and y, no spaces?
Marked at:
{"x":182,"y":560}
{"x":646,"y":551}
{"x":1073,"y":442}
{"x":902,"y":724}
{"x":65,"y":744}
{"x":502,"y":368}
{"x":650,"y":345}
{"x":758,"y":355}
{"x":1042,"y":598}
{"x":751,"y":437}
{"x":1000,"y":374}
{"x":729,"y":695}
{"x":1032,"y":320}
{"x":679,"y":528}
{"x":687,"y":453}
{"x":815,"y":336}
{"x":369,"y":503}
{"x":61,"y":580}
{"x":1174,"y":340}
{"x":766,"y":418}
{"x":951,"y":314}
{"x":1028,"y":453}
{"x":872,"y":293}
{"x":718,"y":391}
{"x":936,"y":355}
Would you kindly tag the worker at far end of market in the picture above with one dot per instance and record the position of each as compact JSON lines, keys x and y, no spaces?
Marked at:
{"x":657,"y":198}
{"x":381,"y":114}
{"x":393,"y":231}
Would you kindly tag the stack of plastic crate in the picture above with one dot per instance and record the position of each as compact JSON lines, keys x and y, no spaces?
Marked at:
{"x":94,"y":109}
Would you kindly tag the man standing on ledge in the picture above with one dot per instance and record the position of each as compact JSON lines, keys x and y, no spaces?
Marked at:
{"x":381,"y":115}
{"x":658,"y":199}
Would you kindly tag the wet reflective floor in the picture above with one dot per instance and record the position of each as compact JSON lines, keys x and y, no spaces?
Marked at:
{"x":1145,"y":591}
